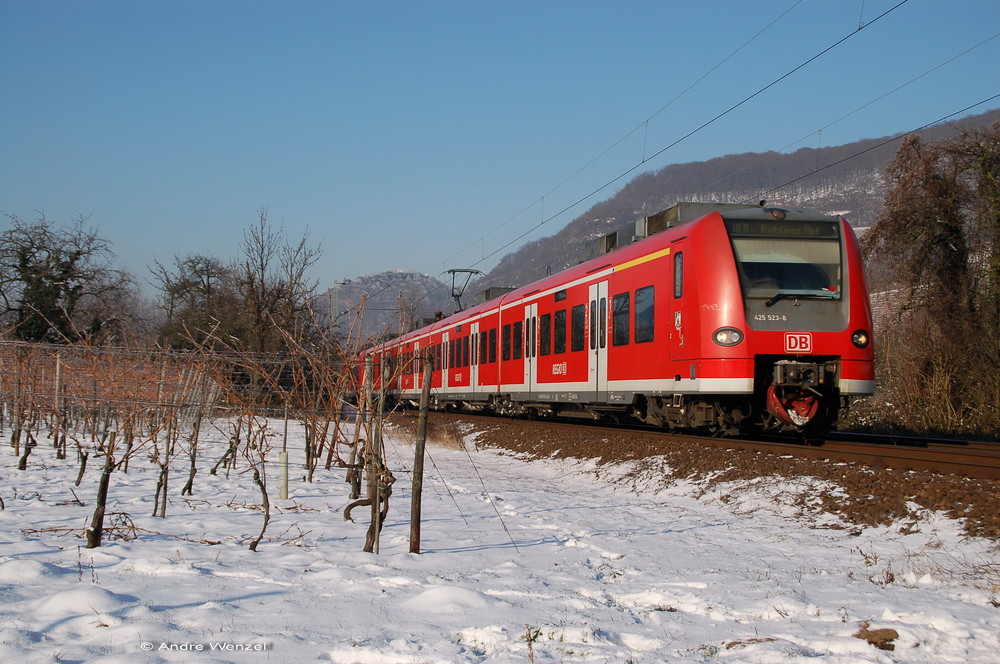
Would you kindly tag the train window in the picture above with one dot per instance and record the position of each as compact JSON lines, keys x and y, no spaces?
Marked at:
{"x":561,"y":295}
{"x":559,"y":338}
{"x":465,"y":351}
{"x":534,"y":335}
{"x":506,"y":342}
{"x":679,"y":274}
{"x":644,"y":319}
{"x":493,"y":345}
{"x":484,"y":339}
{"x":578,"y":325}
{"x":451,"y":353}
{"x":789,"y":259}
{"x":518,"y":343}
{"x":621,"y":319}
{"x":604,"y":322}
{"x":545,"y":334}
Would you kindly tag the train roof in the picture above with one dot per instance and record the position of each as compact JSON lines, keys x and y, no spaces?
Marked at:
{"x":678,"y":221}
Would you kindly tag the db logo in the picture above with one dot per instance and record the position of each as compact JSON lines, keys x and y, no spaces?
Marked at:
{"x":798,"y":342}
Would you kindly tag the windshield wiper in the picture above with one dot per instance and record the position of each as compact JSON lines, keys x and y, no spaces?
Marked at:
{"x":774,"y":300}
{"x":781,"y":295}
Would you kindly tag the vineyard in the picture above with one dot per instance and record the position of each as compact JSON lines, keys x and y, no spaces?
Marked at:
{"x":118,"y":407}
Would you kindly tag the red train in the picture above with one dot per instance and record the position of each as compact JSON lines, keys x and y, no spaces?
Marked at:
{"x":737,"y":320}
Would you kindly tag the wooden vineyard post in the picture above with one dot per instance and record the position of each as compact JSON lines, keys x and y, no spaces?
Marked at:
{"x":283,"y":462}
{"x":369,"y":457}
{"x":59,"y":435}
{"x":418,"y":458}
{"x":376,"y":465}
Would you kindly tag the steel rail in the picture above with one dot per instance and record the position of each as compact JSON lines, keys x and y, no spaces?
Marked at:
{"x":974,"y":459}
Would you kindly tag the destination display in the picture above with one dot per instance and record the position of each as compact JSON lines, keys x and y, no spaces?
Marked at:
{"x":812,"y":230}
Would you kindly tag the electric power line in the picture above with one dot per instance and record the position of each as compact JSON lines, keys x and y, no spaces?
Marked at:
{"x":641,"y":125}
{"x":857,"y":110}
{"x":875,"y":147}
{"x":695,"y":130}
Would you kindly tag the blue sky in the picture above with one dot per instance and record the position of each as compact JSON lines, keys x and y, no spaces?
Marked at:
{"x":426,"y":135}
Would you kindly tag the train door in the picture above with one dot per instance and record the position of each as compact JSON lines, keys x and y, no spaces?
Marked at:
{"x":445,"y":359}
{"x":417,"y":367}
{"x":677,"y":351}
{"x":474,"y":359}
{"x":598,"y":332}
{"x":530,"y":351}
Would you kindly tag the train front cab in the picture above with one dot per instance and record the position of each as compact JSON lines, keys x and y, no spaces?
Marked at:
{"x":806,"y":313}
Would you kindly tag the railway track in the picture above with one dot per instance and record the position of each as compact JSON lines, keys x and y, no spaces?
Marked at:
{"x":974,"y":459}
{"x":980,"y":460}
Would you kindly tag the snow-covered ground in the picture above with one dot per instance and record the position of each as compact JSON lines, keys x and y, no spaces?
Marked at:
{"x":522,"y":562}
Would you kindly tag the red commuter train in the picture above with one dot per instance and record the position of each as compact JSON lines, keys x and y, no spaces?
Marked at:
{"x":729,"y":319}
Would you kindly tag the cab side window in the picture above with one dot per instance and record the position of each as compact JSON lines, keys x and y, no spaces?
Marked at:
{"x":679,"y":274}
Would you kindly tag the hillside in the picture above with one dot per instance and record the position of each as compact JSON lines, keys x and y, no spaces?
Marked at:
{"x":384,"y":295}
{"x":847,"y":179}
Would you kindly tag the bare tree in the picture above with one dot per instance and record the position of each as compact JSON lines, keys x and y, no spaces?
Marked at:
{"x":272,"y":283}
{"x":250,"y":302}
{"x":198,"y":298}
{"x":940,"y":233}
{"x":58,"y":284}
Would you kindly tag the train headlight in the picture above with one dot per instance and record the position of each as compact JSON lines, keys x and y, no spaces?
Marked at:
{"x":861,"y":338}
{"x":727,"y":336}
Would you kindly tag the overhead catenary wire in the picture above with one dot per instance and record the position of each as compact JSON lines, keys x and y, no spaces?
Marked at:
{"x":859,"y":109}
{"x":880,"y":144}
{"x":861,"y":25}
{"x":694,"y":131}
{"x":642,"y":125}
{"x":545,"y":220}
{"x":540,"y":201}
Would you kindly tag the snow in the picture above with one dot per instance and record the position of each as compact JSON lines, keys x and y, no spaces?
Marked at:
{"x":537,"y":561}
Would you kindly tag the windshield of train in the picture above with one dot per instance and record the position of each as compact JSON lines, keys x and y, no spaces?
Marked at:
{"x":779,"y":259}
